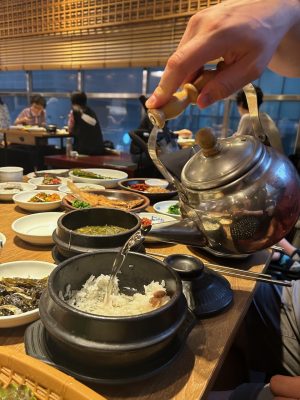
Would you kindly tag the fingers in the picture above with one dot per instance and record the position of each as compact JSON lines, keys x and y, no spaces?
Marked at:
{"x":185,"y":62}
{"x":228,"y":81}
{"x":285,"y":386}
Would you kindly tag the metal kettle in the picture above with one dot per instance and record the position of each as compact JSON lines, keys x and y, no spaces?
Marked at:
{"x":237,"y":195}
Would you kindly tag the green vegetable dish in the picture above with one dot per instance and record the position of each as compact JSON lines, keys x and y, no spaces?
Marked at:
{"x":104,"y":230}
{"x":88,"y":174}
{"x":80,"y":204}
{"x":16,"y":392}
{"x":174,"y":209}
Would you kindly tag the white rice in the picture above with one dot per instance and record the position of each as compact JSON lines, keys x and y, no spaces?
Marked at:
{"x":91,"y":298}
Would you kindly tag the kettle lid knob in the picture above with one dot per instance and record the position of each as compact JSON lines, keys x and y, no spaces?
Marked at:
{"x":208,"y":142}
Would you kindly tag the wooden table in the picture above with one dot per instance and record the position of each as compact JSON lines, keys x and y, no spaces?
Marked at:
{"x":26,"y":148}
{"x":30,"y":137}
{"x":122,"y":162}
{"x":192,"y":374}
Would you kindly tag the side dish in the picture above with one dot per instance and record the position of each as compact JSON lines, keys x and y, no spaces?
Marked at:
{"x":18,"y":295}
{"x":51,"y":180}
{"x":88,"y":174}
{"x":43,"y":197}
{"x":142,"y":187}
{"x":101,"y":230}
{"x":174,"y":209}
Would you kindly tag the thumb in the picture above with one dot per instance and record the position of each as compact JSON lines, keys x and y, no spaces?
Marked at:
{"x":230,"y":79}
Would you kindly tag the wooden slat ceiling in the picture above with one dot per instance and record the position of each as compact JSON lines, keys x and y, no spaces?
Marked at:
{"x":72,"y":34}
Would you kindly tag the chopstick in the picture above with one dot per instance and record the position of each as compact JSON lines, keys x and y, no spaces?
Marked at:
{"x":253,"y":276}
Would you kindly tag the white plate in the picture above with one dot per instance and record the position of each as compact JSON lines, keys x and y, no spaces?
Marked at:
{"x":162,"y":207}
{"x":114,"y":174}
{"x":36,"y":228}
{"x":24,"y":269}
{"x":22,"y":200}
{"x":49,"y":171}
{"x":82,"y":186}
{"x":7,"y":195}
{"x":42,"y":186}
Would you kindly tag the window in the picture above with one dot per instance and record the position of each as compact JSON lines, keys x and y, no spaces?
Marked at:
{"x":14,"y":81}
{"x":54,"y":81}
{"x":121,"y":80}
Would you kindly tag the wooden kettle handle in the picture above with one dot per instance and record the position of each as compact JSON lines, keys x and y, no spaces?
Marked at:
{"x":180,"y":100}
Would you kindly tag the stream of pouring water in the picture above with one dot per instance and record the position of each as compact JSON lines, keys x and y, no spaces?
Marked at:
{"x":134,"y":239}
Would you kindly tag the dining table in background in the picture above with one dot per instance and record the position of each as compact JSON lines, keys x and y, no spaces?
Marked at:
{"x":31,"y":137}
{"x":192,"y":374}
{"x":120,"y":161}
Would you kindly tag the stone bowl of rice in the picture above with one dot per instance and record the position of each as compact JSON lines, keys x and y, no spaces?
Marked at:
{"x":84,"y":329}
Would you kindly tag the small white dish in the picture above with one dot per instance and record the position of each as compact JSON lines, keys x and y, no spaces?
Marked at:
{"x":162,"y":183}
{"x":45,"y":171}
{"x":112,"y":177}
{"x":86,"y":187}
{"x":36,"y":228}
{"x":9,"y":189}
{"x":24,"y":269}
{"x":162,"y":207}
{"x":158,"y":220}
{"x":22,"y":200}
{"x":11,"y":174}
{"x":43,"y":186}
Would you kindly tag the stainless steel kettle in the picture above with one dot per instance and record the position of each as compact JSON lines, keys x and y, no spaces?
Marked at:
{"x":237,"y":195}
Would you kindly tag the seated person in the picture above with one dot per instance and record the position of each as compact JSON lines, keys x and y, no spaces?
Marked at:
{"x":84,"y":126}
{"x":270,"y":342}
{"x":35,"y":114}
{"x":245,"y":125}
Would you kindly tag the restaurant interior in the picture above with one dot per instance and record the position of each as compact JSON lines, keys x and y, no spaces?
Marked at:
{"x":128,"y":273}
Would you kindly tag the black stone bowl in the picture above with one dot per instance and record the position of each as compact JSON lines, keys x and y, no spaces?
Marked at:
{"x":126,"y":184}
{"x":112,"y":344}
{"x":70,"y":243}
{"x":51,"y":128}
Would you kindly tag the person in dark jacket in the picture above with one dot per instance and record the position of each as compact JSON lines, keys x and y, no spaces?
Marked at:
{"x":84,"y":126}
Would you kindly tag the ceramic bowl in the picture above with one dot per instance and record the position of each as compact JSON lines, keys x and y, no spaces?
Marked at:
{"x":162,"y":183}
{"x":113,"y":176}
{"x":11,"y":174}
{"x":42,"y":186}
{"x":36,"y":228}
{"x":86,"y":187}
{"x":56,"y":172}
{"x":9,"y":189}
{"x":162,"y":207}
{"x":70,"y":243}
{"x":22,"y":200}
{"x":126,"y":184}
{"x":118,"y":342}
{"x":24,"y":269}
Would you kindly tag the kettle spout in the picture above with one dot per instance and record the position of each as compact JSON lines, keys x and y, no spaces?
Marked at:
{"x":185,"y":232}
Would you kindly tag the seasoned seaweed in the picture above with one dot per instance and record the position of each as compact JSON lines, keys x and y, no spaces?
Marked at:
{"x":19,"y":295}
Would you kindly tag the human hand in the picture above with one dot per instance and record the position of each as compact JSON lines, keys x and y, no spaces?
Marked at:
{"x":285,"y":387}
{"x":245,"y":33}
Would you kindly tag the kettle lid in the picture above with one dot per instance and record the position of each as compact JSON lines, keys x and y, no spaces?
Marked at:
{"x":220,"y":162}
